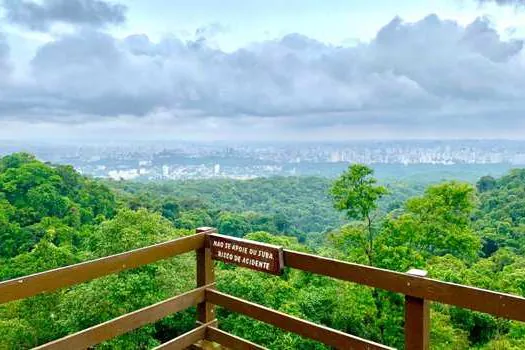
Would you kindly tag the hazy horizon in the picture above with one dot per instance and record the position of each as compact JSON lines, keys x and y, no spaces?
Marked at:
{"x":268,"y":142}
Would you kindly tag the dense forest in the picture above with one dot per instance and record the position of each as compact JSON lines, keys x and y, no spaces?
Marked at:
{"x":295,"y":206}
{"x":51,"y":216}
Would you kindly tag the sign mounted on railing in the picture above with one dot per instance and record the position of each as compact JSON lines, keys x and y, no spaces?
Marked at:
{"x":253,"y":255}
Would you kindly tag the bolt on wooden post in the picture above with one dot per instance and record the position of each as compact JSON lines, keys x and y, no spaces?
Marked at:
{"x":205,"y":276}
{"x":417,"y":319}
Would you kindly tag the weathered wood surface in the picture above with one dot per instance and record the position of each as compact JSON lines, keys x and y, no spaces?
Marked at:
{"x":125,"y":323}
{"x":417,"y":319}
{"x":418,"y":290}
{"x":27,"y":286}
{"x":328,"y":336}
{"x":185,"y":340}
{"x":498,"y":304}
{"x":205,"y":276}
{"x":230,"y":341}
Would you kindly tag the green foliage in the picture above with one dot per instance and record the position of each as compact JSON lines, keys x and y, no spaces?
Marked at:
{"x":32,"y":193}
{"x":501,"y":214}
{"x":287,"y":205}
{"x":437,"y":223}
{"x":46,"y":317}
{"x":356,"y":192}
{"x":16,"y":331}
{"x":130,"y":230}
{"x":44,"y":256}
{"x":50,"y":216}
{"x":233,"y":224}
{"x":486,"y":183}
{"x":443,"y":334}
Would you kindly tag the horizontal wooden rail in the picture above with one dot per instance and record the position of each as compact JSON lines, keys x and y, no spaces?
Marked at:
{"x":328,"y":336}
{"x":498,"y":304}
{"x":27,"y":286}
{"x":230,"y":341}
{"x":185,"y":340}
{"x":128,"y":322}
{"x":417,"y":289}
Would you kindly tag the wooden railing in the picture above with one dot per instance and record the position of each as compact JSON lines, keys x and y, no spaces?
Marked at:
{"x":418,"y":291}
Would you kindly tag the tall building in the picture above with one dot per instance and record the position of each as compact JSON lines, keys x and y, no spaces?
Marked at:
{"x":165,"y":170}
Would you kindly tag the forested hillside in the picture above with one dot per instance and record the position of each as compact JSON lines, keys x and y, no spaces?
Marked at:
{"x":288,"y":205}
{"x":50,"y":216}
{"x":296,"y":206}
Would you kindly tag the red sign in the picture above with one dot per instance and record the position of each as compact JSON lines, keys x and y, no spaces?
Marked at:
{"x":253,"y":255}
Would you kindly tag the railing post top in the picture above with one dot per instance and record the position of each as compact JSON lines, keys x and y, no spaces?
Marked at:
{"x":204,"y":229}
{"x":417,"y":272}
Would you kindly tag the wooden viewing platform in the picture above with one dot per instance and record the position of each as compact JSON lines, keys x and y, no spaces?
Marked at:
{"x":418,"y":291}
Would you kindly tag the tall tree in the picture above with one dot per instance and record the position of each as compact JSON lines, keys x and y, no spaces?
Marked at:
{"x":356,"y":193}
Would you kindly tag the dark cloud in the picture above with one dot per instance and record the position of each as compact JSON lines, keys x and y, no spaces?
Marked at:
{"x":483,"y":39}
{"x":41,"y":15}
{"x":433,"y":73}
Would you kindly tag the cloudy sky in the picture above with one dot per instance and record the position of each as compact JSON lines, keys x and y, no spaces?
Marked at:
{"x":261,"y":70}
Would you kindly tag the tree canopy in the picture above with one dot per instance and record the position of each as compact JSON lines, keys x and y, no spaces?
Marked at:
{"x":51,"y":216}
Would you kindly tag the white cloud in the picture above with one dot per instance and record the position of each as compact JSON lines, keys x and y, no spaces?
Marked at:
{"x":433,"y":74}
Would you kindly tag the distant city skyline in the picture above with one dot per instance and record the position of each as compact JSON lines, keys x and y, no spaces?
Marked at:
{"x":84,"y":70}
{"x":196,"y":160}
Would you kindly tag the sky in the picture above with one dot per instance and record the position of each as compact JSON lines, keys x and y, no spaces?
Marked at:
{"x":295,"y":70}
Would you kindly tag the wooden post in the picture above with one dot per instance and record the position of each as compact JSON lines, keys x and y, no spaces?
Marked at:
{"x":205,"y":276}
{"x":417,"y":319}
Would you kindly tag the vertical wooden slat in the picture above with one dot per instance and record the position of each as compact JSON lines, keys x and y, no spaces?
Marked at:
{"x":417,"y":319}
{"x":205,"y":276}
{"x":204,"y":344}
